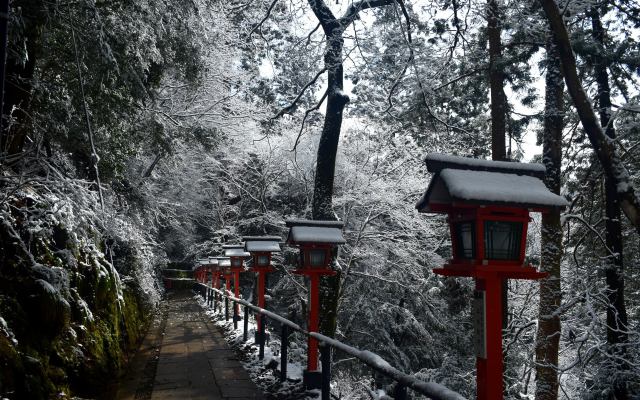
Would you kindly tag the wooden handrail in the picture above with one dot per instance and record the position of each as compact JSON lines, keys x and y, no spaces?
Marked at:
{"x":433,"y":390}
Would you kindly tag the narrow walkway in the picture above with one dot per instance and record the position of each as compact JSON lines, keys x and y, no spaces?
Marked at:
{"x":193,"y":361}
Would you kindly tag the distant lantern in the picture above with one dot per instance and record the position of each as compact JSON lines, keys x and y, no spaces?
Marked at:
{"x":261,"y":248}
{"x":237,"y":255}
{"x":316,"y":240}
{"x":488,"y":205}
{"x":213,"y":269}
{"x":201,"y":269}
{"x":224,"y":266}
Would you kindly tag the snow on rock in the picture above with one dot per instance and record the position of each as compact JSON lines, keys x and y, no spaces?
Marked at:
{"x":4,"y":329}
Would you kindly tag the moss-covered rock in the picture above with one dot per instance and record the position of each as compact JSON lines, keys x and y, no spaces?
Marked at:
{"x":49,"y":312}
{"x":67,"y":321}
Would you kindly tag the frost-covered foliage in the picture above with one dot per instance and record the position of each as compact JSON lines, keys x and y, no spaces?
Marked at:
{"x":75,"y":292}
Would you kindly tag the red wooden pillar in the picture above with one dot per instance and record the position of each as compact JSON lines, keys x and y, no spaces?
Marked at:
{"x":489,"y":369}
{"x":236,"y":289}
{"x":261,"y":289}
{"x":314,"y":321}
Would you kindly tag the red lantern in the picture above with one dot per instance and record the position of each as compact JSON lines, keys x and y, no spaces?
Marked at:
{"x":212,"y":268}
{"x":261,"y":248}
{"x":200,"y":270}
{"x":236,"y":254}
{"x":224,"y":268}
{"x":488,"y":205}
{"x":316,"y":240}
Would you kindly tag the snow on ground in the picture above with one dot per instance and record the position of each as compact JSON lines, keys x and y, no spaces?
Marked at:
{"x":265,"y":373}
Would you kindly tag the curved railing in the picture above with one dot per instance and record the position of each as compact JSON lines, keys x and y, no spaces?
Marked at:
{"x":435,"y":391}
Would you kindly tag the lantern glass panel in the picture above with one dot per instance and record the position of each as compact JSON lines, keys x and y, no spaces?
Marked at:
{"x":263,"y":260}
{"x":502,"y":240}
{"x":317,"y":258}
{"x":236,"y":262}
{"x":465,"y":239}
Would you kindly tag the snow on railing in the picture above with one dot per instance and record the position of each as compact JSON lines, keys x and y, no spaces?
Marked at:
{"x":431,"y":389}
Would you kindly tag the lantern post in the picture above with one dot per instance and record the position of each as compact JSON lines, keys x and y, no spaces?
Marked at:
{"x":316,"y":241}
{"x":261,"y":249}
{"x":488,"y":205}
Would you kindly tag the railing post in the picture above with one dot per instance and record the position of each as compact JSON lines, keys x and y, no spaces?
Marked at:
{"x":400,"y":392}
{"x":246,"y":322}
{"x":235,"y":315}
{"x":325,"y":360}
{"x":262,"y":337}
{"x":226,"y":308}
{"x":284,"y":348}
{"x":215,"y":298}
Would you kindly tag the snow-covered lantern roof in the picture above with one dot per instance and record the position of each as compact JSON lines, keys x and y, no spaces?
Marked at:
{"x":201,"y":262}
{"x":261,"y":248}
{"x":488,"y":204}
{"x":236,"y":254}
{"x":223,"y":262}
{"x":315,"y":239}
{"x":212,"y":264}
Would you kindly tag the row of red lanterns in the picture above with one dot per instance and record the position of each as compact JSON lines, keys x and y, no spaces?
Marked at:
{"x":315,"y":240}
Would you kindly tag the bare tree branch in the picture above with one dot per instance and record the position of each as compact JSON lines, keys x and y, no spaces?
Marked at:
{"x":289,"y":108}
{"x":306,"y":114}
{"x":264,"y":19}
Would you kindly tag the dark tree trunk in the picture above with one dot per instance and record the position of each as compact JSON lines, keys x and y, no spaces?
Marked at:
{"x":328,"y":146}
{"x":614,"y":272}
{"x":603,"y":147}
{"x":549,"y":329}
{"x":496,"y":83}
{"x":20,"y":75}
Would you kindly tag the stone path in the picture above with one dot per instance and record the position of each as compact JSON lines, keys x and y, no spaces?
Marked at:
{"x":193,"y":360}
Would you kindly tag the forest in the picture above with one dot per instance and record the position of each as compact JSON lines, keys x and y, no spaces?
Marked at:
{"x":140,"y":135}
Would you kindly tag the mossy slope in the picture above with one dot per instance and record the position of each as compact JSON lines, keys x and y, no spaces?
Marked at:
{"x":67,"y":318}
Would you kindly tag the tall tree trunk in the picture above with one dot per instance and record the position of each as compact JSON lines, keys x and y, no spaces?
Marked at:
{"x":602,"y":145}
{"x":496,"y":83}
{"x":549,"y":329}
{"x":325,"y":172}
{"x":328,"y":146}
{"x":614,"y":272}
